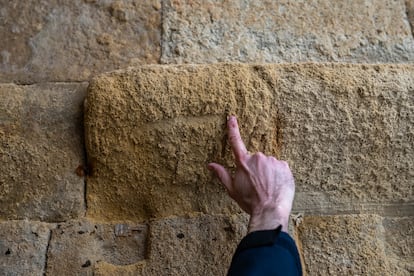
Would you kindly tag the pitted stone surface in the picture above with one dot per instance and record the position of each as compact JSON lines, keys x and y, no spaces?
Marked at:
{"x":399,"y":246}
{"x":151,"y":132}
{"x":41,"y":146}
{"x":356,"y":245}
{"x":53,"y":40}
{"x":81,"y":244}
{"x":286,"y":31}
{"x":23,"y":247}
{"x":198,"y":245}
{"x":343,"y":245}
{"x":345,"y":130}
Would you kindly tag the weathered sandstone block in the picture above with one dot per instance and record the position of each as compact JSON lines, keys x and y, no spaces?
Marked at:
{"x":399,"y":237}
{"x":286,"y":31}
{"x":356,"y":245}
{"x":41,"y":146}
{"x":151,"y":132}
{"x":345,"y":129}
{"x":81,"y":244}
{"x":23,"y":247}
{"x":202,"y":245}
{"x":51,"y":40}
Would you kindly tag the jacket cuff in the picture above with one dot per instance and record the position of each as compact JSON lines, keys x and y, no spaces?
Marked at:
{"x":259,"y":238}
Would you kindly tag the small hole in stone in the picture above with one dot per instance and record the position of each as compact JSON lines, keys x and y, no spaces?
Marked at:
{"x":228,"y":229}
{"x":180,"y":236}
{"x":87,"y":263}
{"x":81,"y":232}
{"x":8,"y":252}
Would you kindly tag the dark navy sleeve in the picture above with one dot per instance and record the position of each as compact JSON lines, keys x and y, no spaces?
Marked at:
{"x":269,"y":252}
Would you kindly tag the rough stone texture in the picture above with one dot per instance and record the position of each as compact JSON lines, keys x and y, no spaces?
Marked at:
{"x":346,"y":130}
{"x":55,"y":40}
{"x":399,"y":237}
{"x":41,"y":146}
{"x":347,"y":133}
{"x":202,"y":31}
{"x":410,"y":13}
{"x":76,"y":246}
{"x":200,"y":245}
{"x":356,"y":245}
{"x":343,"y":245}
{"x":23,"y":247}
{"x":151,"y":132}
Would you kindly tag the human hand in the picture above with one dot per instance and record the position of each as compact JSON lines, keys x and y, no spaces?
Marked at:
{"x":262,"y":185}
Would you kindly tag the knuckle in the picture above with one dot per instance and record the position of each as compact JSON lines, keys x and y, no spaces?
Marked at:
{"x":272,"y":159}
{"x":234,"y":138}
{"x":284,"y":163}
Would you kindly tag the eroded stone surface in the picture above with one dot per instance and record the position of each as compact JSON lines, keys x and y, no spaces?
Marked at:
{"x":152,"y":131}
{"x":81,"y":244}
{"x":343,"y":245}
{"x":286,"y":31}
{"x":200,"y":245}
{"x":399,"y":237}
{"x":23,"y":247}
{"x":53,"y":40}
{"x":356,"y":245}
{"x":41,"y":140}
{"x":346,"y":131}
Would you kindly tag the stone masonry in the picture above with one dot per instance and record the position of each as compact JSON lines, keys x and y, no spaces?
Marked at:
{"x":111,"y":109}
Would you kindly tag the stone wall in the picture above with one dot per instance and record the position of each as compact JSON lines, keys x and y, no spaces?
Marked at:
{"x":104,"y":172}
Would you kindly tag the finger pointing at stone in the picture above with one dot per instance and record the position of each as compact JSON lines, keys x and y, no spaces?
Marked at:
{"x":223,"y":175}
{"x":236,"y":142}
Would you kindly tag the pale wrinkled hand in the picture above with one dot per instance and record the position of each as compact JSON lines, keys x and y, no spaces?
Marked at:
{"x":262,"y":185}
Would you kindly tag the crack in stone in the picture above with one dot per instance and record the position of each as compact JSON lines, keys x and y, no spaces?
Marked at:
{"x":86,"y":163}
{"x":47,"y":251}
{"x":408,"y":16}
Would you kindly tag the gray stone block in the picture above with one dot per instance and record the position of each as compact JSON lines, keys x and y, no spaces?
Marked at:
{"x":192,"y":245}
{"x":23,"y":247}
{"x":286,"y":31}
{"x":41,"y":151}
{"x":51,"y":40}
{"x":76,"y":246}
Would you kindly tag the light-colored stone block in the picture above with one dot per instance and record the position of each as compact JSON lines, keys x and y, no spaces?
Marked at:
{"x":50,"y":40}
{"x":41,"y":147}
{"x":343,"y":245}
{"x":346,"y":131}
{"x":356,"y":244}
{"x":23,"y":247}
{"x":76,"y":246}
{"x":202,"y":31}
{"x":200,"y":245}
{"x":399,"y":246}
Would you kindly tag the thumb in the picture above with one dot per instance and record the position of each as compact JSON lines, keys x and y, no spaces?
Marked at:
{"x":223,"y":175}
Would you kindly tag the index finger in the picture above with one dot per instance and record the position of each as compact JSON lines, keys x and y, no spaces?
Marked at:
{"x":236,"y":142}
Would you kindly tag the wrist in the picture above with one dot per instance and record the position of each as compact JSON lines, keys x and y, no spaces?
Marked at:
{"x":268,"y":220}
